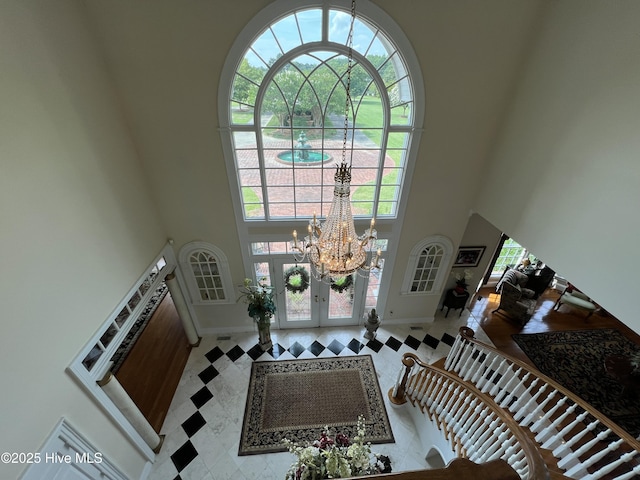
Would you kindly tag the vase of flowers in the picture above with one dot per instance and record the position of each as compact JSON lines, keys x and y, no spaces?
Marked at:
{"x":461,"y":280}
{"x":336,"y":457}
{"x":261,"y":307}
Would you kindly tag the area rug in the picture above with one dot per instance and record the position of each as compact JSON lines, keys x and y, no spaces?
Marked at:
{"x":138,"y":327}
{"x":298,"y":399}
{"x":575,"y":359}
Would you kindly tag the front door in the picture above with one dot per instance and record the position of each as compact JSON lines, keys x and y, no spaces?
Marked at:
{"x":319,"y":305}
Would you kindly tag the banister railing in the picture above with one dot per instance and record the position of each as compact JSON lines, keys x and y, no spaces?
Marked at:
{"x":586,"y":444}
{"x":458,"y":468}
{"x":476,"y":427}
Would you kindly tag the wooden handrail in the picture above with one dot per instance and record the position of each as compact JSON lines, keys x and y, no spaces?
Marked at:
{"x":458,"y":468}
{"x":537,"y":468}
{"x":468,"y":334}
{"x":557,"y":417}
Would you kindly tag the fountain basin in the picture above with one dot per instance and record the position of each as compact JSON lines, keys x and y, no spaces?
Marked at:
{"x":305,"y":157}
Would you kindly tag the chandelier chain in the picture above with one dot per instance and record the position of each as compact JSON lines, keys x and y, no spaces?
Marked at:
{"x":333,"y":247}
{"x":347,"y":101}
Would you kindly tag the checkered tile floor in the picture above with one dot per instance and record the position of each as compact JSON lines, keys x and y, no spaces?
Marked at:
{"x":203,"y":425}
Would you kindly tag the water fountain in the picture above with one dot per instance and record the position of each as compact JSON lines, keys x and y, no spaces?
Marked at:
{"x":302,"y":153}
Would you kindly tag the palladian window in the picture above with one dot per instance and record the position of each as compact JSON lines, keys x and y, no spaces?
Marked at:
{"x":286,"y":116}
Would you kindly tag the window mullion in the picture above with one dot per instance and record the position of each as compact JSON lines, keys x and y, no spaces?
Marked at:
{"x":263,"y":175}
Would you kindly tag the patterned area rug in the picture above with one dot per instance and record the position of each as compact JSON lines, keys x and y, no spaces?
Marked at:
{"x":138,"y":327}
{"x":575,"y":359}
{"x":297,"y":399}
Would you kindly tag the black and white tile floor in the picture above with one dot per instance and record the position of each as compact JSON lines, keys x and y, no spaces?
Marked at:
{"x":203,"y":425}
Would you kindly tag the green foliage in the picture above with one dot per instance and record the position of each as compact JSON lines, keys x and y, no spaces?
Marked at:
{"x":259,"y":298}
{"x":336,"y":457}
{"x":245,"y":86}
{"x":296,"y":279}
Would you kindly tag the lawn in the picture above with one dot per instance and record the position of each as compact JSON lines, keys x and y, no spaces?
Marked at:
{"x":241,"y":117}
{"x":251,"y":202}
{"x":369,"y":113}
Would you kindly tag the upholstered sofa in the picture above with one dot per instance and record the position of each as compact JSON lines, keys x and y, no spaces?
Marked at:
{"x":516,"y":301}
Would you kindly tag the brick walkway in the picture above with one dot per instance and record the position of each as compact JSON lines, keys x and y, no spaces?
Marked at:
{"x":308,"y":179}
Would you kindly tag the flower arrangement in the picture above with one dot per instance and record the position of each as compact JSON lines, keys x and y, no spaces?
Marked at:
{"x":336,"y":457}
{"x":462,"y":277}
{"x":260,"y":300}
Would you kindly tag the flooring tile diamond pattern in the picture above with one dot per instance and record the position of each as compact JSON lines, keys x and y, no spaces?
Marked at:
{"x":431,"y":341}
{"x":184,"y":456}
{"x":413,"y":342}
{"x":235,"y":353}
{"x":336,"y":347}
{"x":255,"y":352}
{"x":208,"y":374}
{"x":201,"y":397}
{"x":375,"y":345}
{"x":194,"y":423}
{"x":214,"y":354}
{"x":393,"y":343}
{"x":316,"y":348}
{"x":448,"y":339}
{"x":355,"y":346}
{"x":276,"y":350}
{"x":224,"y":416}
{"x":296,"y":349}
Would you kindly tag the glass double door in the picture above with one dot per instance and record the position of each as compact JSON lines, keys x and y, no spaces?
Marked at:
{"x":319,"y":305}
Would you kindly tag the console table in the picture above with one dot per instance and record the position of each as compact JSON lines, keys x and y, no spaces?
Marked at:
{"x":455,"y":300}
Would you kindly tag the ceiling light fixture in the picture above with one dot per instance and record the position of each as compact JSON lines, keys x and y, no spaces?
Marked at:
{"x":333,"y":248}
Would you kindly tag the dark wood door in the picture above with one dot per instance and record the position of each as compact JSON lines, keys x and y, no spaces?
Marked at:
{"x":152,"y":369}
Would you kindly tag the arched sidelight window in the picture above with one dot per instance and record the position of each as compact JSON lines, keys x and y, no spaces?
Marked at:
{"x":286,"y":106}
{"x":427,"y":266}
{"x":206,"y":271}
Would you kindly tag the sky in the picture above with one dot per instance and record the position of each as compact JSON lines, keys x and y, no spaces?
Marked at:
{"x":305,"y":26}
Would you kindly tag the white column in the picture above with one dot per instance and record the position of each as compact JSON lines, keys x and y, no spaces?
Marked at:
{"x":181,"y":308}
{"x":130,"y":410}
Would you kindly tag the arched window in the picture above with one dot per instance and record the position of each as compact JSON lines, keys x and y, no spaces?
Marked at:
{"x":206,"y":272}
{"x":427,"y":266}
{"x":283,"y":107}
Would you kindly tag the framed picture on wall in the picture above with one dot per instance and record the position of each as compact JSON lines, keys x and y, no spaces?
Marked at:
{"x":468,"y":256}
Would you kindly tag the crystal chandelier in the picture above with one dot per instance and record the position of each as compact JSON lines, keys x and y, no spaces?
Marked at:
{"x":333,"y":248}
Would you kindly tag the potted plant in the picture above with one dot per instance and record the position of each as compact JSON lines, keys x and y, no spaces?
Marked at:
{"x":461,"y":280}
{"x":336,"y":457}
{"x":261,"y":308}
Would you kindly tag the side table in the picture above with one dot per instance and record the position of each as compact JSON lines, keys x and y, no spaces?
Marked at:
{"x":455,"y":300}
{"x":620,"y":368}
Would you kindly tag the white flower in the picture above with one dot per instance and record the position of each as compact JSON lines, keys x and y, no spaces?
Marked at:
{"x":464,"y":275}
{"x":336,"y":457}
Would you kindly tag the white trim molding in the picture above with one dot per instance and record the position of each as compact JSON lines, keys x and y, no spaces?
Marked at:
{"x":68,"y":454}
{"x":223,"y":274}
{"x":88,"y":375}
{"x":441,"y":268}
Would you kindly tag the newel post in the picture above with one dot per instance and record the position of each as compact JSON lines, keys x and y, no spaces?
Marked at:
{"x":397,"y":394}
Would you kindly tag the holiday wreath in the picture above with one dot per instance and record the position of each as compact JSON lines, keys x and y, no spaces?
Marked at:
{"x":341,"y":284}
{"x":296,"y":279}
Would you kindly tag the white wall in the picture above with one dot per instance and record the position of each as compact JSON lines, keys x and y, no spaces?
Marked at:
{"x":167,"y":61}
{"x":479,"y":233}
{"x":565,"y":178}
{"x":77,"y":226}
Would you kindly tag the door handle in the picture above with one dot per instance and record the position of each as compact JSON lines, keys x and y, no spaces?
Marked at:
{"x":316,"y":297}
